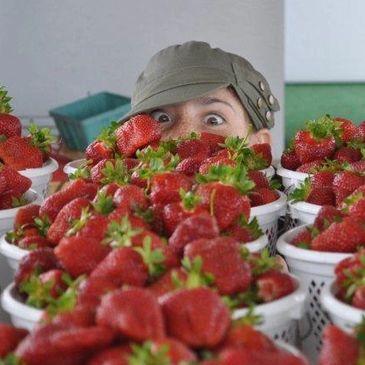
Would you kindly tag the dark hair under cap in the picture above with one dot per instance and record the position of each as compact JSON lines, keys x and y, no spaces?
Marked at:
{"x":183,"y":72}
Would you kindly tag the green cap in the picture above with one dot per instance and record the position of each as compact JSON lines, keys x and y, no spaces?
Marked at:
{"x":183,"y":72}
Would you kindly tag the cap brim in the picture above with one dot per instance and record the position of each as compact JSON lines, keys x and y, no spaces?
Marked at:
{"x":173,"y":96}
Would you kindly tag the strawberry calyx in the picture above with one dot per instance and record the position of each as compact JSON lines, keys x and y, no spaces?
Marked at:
{"x":120,"y":234}
{"x":196,"y":277}
{"x":14,"y":236}
{"x":107,"y":135}
{"x":249,"y":319}
{"x":252,"y":227}
{"x":263,"y":262}
{"x":233,"y":176}
{"x":241,"y":300}
{"x":351,"y":200}
{"x":323,"y":128}
{"x":354,"y":279}
{"x":189,"y":199}
{"x":302,"y":192}
{"x":154,"y":259}
{"x":18,"y":202}
{"x":82,"y":172}
{"x":117,"y":173}
{"x":147,"y":354}
{"x":5,"y":99}
{"x":145,"y":214}
{"x":77,"y":224}
{"x":42,"y":225}
{"x":103,"y":203}
{"x":11,"y":359}
{"x":41,"y":137}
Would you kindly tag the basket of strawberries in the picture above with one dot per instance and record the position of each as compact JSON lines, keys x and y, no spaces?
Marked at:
{"x":30,"y":155}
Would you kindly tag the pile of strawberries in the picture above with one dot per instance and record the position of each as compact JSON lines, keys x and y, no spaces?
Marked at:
{"x":18,"y":153}
{"x":334,"y":139}
{"x":337,"y":229}
{"x":340,"y":347}
{"x":132,"y":327}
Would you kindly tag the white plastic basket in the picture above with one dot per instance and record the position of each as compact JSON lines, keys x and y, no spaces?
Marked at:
{"x":342,"y":314}
{"x":12,"y":253}
{"x":269,"y":172}
{"x":257,"y":245}
{"x":315,"y":270}
{"x":280,"y":316}
{"x":303,"y":212}
{"x":41,"y":176}
{"x":293,"y":350}
{"x":290,"y":179}
{"x":21,"y":315}
{"x":72,"y":166}
{"x":267,"y":216}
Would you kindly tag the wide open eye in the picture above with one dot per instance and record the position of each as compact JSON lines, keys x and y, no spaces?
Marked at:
{"x":214,"y":120}
{"x":160,"y":116}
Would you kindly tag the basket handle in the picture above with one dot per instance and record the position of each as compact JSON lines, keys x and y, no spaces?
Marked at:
{"x":298,"y":310}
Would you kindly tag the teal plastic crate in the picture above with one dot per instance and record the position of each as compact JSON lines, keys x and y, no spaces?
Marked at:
{"x":81,"y":121}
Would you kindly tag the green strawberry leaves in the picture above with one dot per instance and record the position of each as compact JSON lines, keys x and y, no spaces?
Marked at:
{"x":115,"y":172}
{"x":41,"y":138}
{"x":146,"y":354}
{"x":5,"y":99}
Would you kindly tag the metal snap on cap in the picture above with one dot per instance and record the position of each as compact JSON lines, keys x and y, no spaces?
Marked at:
{"x":259,"y":102}
{"x":262,"y":86}
{"x":268,"y":115}
{"x":271,"y":99}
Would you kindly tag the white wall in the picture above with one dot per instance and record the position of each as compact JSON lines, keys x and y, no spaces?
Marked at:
{"x":324,"y":40}
{"x":53,"y":52}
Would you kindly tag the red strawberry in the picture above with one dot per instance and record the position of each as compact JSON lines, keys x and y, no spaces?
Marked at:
{"x":55,"y":202}
{"x":322,"y":179}
{"x":137,"y":132}
{"x":338,"y":347}
{"x":168,"y":282}
{"x":109,"y":171}
{"x":351,"y":265}
{"x":316,"y":141}
{"x":79,"y":316}
{"x":18,"y":153}
{"x":358,"y":166}
{"x":15,"y":183}
{"x":208,"y":318}
{"x":289,"y":160}
{"x":302,"y":239}
{"x":345,"y":183}
{"x":192,"y":228}
{"x":67,"y":217}
{"x":130,"y":197}
{"x":55,"y":278}
{"x":345,"y":236}
{"x":193,"y":148}
{"x":347,"y":154}
{"x":25,"y":216}
{"x":118,"y":355}
{"x":165,"y":187}
{"x":40,"y":260}
{"x":56,"y":344}
{"x":354,"y":204}
{"x":273,"y":285}
{"x":31,"y":242}
{"x":95,"y":227}
{"x":358,"y":299}
{"x":311,"y":167}
{"x":261,"y":196}
{"x":348,"y":129}
{"x":10,"y":337}
{"x":221,"y":257}
{"x":189,"y":166}
{"x":122,"y":266}
{"x":80,"y":254}
{"x":177,"y":353}
{"x":263,"y":149}
{"x":244,"y":231}
{"x":97,"y":151}
{"x":125,"y":311}
{"x":259,"y":178}
{"x":10,"y":125}
{"x":212,"y":140}
{"x":217,"y":160}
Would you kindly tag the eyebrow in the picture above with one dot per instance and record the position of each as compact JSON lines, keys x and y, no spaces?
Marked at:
{"x":207,"y":100}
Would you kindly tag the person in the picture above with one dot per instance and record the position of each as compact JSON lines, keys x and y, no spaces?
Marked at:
{"x":193,"y":87}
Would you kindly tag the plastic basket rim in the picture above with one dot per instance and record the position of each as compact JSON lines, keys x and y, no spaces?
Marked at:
{"x":338,"y":308}
{"x":272,"y":207}
{"x":72,"y":166}
{"x":50,"y":166}
{"x":258,"y":244}
{"x":283,"y":172}
{"x":305,"y":207}
{"x":14,"y":307}
{"x":292,"y":304}
{"x":10,"y":250}
{"x":301,"y":254}
{"x":33,"y":198}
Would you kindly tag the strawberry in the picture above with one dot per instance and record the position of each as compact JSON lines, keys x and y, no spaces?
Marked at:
{"x":57,"y":344}
{"x":189,"y":166}
{"x":80,"y":254}
{"x":96,"y":227}
{"x":175,"y":213}
{"x":125,"y":311}
{"x":15,"y":183}
{"x":347,"y":129}
{"x":165,"y":187}
{"x":273,"y":285}
{"x":40,"y":260}
{"x":79,"y":316}
{"x":316,"y":141}
{"x":66,"y":218}
{"x":56,"y":278}
{"x":192,"y":228}
{"x":261,"y":196}
{"x":311,"y":167}
{"x":19,"y":154}
{"x":338,"y":347}
{"x":244,"y":231}
{"x":263,"y":149}
{"x":349,"y":268}
{"x":9,"y":338}
{"x":214,"y":141}
{"x":345,"y":236}
{"x":358,"y":299}
{"x":354,"y":204}
{"x":193,"y":148}
{"x":11,"y":200}
{"x":109,"y":171}
{"x":208,"y":317}
{"x":221,"y":258}
{"x":327,"y":215}
{"x":217,"y":160}
{"x":41,"y":138}
{"x":136,"y":133}
{"x":117,"y":355}
{"x":32,"y":242}
{"x":259,"y":178}
{"x":289,"y":160}
{"x":168,"y":282}
{"x":322,"y":179}
{"x":10,"y":125}
{"x":25,"y":216}
{"x":345,"y":183}
{"x":122,"y":266}
{"x":347,"y":154}
{"x":55,"y":202}
{"x":131,"y":198}
{"x":97,"y":151}
{"x":358,"y":166}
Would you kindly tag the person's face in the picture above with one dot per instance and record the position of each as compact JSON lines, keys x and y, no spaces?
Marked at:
{"x":218,"y":112}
